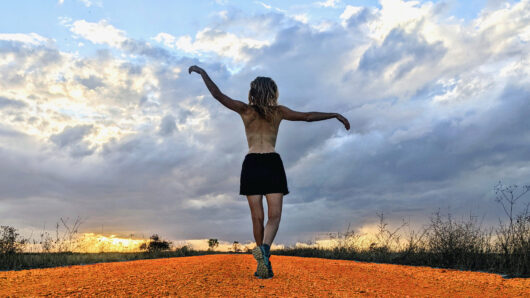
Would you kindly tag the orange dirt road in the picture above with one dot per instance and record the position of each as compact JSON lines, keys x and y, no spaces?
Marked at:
{"x":232,"y":275}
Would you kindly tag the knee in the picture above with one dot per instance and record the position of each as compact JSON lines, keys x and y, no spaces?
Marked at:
{"x":257,"y":219}
{"x":275,"y":217}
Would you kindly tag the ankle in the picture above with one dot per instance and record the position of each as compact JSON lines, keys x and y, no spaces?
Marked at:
{"x":267,"y":248}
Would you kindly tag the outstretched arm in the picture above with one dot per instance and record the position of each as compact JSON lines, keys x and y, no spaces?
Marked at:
{"x":289,"y":114}
{"x":235,"y":105}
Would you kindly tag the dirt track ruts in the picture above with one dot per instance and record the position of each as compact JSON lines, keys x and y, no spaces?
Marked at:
{"x":232,"y":275}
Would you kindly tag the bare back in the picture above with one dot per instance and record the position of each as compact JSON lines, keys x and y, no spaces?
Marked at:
{"x":261,"y":134}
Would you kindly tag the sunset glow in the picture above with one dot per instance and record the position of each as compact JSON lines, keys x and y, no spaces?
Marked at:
{"x":90,"y":242}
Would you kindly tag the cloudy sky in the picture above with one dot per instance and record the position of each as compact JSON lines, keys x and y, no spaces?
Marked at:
{"x":100,"y":119}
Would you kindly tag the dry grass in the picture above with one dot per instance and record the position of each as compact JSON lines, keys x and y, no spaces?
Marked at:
{"x":445,"y":242}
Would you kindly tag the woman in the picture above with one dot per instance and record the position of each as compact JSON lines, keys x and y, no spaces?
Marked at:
{"x":262,"y":171}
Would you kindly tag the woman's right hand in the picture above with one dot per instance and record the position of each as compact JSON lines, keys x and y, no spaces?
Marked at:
{"x":196,"y":69}
{"x":344,"y":121}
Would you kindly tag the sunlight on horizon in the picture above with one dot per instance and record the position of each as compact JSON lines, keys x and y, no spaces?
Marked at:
{"x":362,"y":238}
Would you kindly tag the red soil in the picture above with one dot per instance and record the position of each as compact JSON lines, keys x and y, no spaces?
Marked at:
{"x":232,"y":275}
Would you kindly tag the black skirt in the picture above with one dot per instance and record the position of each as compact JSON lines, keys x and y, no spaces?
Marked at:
{"x":263,"y":173}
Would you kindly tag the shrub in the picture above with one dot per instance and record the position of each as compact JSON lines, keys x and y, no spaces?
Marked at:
{"x":385,"y":240}
{"x":236,"y":247}
{"x":513,"y":237}
{"x":457,"y":243}
{"x":10,"y":242}
{"x":155,"y":244}
{"x":212,"y":243}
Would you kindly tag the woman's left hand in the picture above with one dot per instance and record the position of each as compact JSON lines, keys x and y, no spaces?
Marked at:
{"x":196,"y":69}
{"x":344,"y":121}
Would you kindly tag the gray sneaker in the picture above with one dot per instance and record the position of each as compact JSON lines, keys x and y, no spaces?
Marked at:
{"x":262,"y":270}
{"x":271,"y":274}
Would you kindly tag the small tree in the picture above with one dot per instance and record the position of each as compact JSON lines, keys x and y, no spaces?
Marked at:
{"x":9,"y":240}
{"x":212,"y":244}
{"x":386,"y":239}
{"x":513,"y":238}
{"x":155,"y":244}
{"x":236,"y":247}
{"x":70,"y":240}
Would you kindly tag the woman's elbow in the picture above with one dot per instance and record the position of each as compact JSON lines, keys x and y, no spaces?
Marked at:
{"x":217,"y":95}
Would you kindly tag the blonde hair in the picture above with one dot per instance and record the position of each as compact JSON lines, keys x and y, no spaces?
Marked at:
{"x":263,"y":96}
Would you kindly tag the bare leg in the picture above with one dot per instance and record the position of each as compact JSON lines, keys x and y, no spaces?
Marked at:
{"x":255,"y":203}
{"x":274,"y":203}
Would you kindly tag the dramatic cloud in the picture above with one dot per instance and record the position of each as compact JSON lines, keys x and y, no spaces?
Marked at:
{"x":99,"y":33}
{"x":31,"y":38}
{"x":167,"y":126}
{"x":6,"y":102}
{"x":71,"y":135}
{"x":208,"y":40}
{"x":126,"y":137}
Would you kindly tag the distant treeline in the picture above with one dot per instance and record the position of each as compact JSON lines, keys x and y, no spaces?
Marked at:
{"x":444,"y":242}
